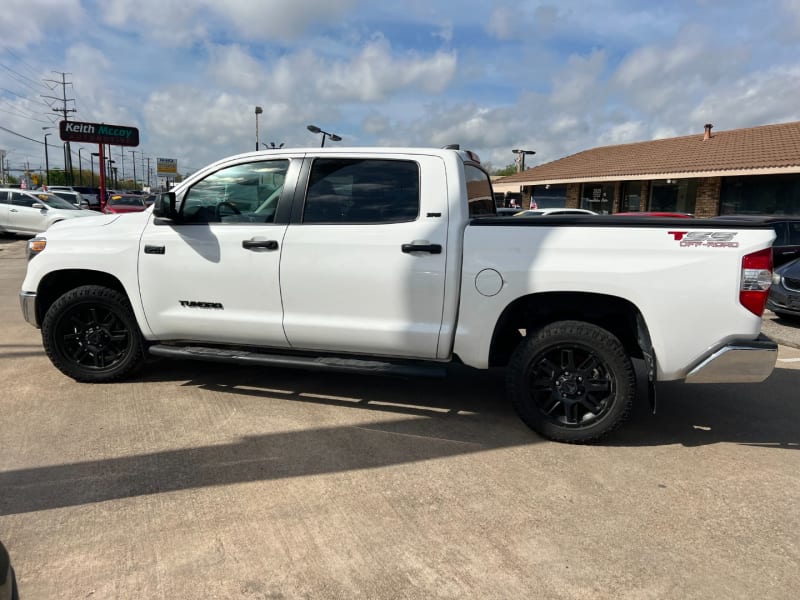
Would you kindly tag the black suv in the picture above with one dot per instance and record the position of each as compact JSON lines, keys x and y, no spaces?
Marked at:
{"x":786,"y":246}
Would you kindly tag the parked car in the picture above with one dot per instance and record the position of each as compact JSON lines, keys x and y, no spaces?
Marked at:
{"x":125,"y":203}
{"x":784,"y":295}
{"x":535,"y":212}
{"x":8,"y":581}
{"x":31,"y":212}
{"x":74,"y":198}
{"x":786,"y":246}
{"x":90,"y":194}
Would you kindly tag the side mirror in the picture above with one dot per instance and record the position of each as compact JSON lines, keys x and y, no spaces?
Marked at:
{"x":39,"y":206}
{"x":164,"y":206}
{"x":84,"y":204}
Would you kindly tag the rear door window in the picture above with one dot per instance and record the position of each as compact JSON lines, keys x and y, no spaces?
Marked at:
{"x":354,"y":190}
{"x":479,"y":192}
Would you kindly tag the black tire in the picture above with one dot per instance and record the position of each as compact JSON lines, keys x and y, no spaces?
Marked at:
{"x":572,"y":382}
{"x":90,"y":334}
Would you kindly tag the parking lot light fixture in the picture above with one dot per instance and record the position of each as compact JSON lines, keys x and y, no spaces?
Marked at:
{"x":331,"y":136}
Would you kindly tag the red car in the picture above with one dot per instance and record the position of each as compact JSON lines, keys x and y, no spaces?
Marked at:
{"x":125,"y":203}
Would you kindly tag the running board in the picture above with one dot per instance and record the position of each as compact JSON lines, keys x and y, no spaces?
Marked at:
{"x":318,"y":363}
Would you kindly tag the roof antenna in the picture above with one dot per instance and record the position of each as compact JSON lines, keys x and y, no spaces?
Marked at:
{"x":451,"y":147}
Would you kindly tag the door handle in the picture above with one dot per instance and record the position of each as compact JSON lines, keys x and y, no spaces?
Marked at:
{"x":12,"y":210}
{"x":430,"y":248}
{"x":253,"y":244}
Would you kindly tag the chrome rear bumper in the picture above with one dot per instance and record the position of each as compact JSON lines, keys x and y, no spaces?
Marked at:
{"x":27,"y":301}
{"x":742,"y":361}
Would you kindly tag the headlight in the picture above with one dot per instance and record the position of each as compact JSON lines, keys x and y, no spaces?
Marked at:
{"x":776,"y":279}
{"x":35,"y":246}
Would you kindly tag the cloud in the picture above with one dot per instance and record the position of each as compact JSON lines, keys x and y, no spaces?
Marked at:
{"x":24,"y":22}
{"x":579,"y":82}
{"x":373,"y":74}
{"x":755,"y":99}
{"x":177,"y":22}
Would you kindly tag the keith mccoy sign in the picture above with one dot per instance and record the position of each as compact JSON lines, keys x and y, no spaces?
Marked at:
{"x":99,"y":133}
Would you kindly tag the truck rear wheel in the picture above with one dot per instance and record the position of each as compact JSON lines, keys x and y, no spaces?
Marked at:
{"x":571,"y":381}
{"x":90,"y":334}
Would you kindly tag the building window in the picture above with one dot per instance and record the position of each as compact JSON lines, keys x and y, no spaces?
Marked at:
{"x":631,"y":200}
{"x":597,"y":197}
{"x":549,"y":196}
{"x":760,"y":194}
{"x":673,"y":195}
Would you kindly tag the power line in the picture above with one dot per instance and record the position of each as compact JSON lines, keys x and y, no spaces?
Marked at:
{"x":23,"y":63}
{"x":18,"y":114}
{"x":20,"y":135}
{"x":22,"y":78}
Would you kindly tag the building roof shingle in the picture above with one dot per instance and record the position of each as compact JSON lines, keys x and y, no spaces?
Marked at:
{"x":754,"y":149}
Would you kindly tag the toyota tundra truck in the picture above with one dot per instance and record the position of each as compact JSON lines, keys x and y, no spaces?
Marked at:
{"x":393,"y":261}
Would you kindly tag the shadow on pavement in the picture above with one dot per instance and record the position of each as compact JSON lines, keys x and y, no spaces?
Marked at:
{"x":444,"y":427}
{"x":765,"y":414}
{"x":464,"y":414}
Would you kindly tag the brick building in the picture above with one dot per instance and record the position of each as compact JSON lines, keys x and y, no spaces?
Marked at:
{"x":742,"y":171}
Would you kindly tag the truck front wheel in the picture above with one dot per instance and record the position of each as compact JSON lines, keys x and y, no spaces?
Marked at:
{"x":571,"y":381}
{"x":90,"y":334}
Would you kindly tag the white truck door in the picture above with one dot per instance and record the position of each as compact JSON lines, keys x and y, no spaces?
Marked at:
{"x":213,"y":275}
{"x":363,"y":263}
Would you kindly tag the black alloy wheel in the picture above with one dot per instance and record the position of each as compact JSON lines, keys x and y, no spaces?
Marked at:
{"x":91,"y":334}
{"x":572,"y":382}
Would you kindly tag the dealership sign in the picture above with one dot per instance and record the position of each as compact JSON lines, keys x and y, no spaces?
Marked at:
{"x":99,"y":133}
{"x":167,"y":167}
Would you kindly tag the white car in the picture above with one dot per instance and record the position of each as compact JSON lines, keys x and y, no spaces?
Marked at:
{"x":23,"y":211}
{"x":536,"y":212}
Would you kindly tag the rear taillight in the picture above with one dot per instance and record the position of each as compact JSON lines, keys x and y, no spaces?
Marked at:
{"x":756,"y":279}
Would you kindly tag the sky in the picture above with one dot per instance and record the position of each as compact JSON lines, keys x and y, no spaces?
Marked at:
{"x":555,"y":78}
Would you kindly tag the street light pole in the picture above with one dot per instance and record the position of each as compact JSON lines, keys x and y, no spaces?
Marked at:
{"x":91,"y":158}
{"x":332,"y":136}
{"x":259,"y":110}
{"x":46,"y":159}
{"x":520,"y":160}
{"x":80,"y":166}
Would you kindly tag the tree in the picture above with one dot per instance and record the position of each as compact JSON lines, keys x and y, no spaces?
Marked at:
{"x":505,"y":171}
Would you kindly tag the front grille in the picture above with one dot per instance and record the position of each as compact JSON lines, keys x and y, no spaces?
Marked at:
{"x":792,"y":284}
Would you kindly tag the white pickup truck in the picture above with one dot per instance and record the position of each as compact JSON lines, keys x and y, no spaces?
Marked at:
{"x":393,"y":261}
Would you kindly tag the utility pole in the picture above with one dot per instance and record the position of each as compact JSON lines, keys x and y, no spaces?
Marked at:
{"x":148,"y":171}
{"x":64,"y":111}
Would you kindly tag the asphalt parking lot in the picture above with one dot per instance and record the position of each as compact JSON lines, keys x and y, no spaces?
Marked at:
{"x":208,"y":481}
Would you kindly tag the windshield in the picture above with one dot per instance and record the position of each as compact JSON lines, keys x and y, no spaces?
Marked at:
{"x":54,"y":201}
